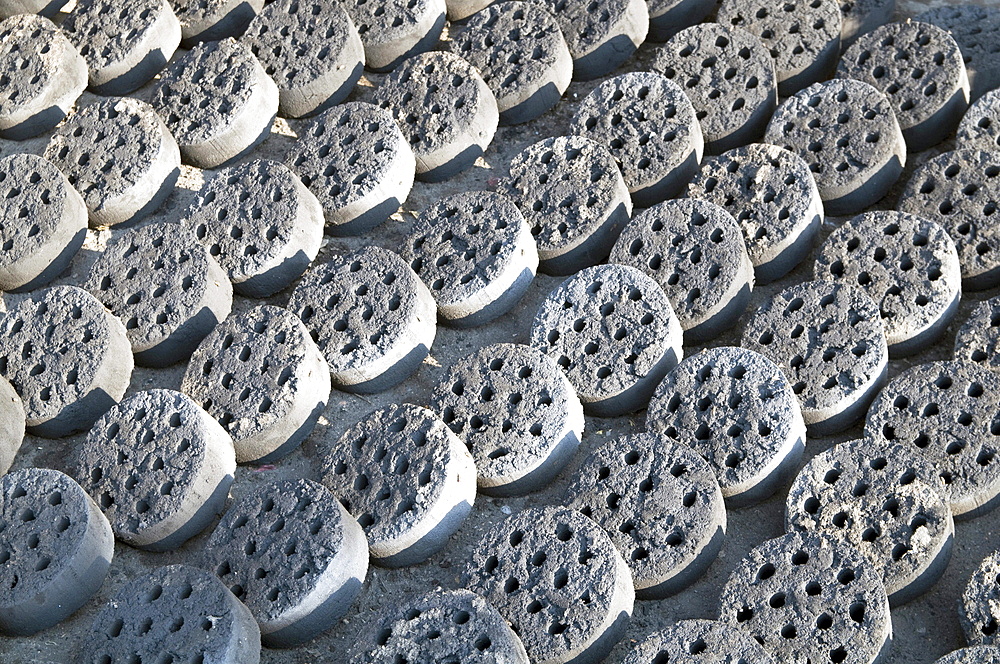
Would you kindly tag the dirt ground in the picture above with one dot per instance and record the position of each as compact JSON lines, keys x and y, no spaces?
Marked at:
{"x":924,"y":629}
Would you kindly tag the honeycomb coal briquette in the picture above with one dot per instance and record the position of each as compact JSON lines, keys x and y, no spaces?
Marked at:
{"x":668,"y":17}
{"x":177,"y":612}
{"x":919,"y":68}
{"x":649,"y":125}
{"x":773,"y":197}
{"x":213,"y":20}
{"x":974,"y":655}
{"x":829,"y":340}
{"x":356,"y":161}
{"x":218,"y":102}
{"x":960,"y":191}
{"x":944,"y":413}
{"x":736,"y":409}
{"x":56,"y":549}
{"x":68,"y":358}
{"x":12,"y":422}
{"x":859,"y":17}
{"x":260,"y":223}
{"x":41,"y":76}
{"x":315,"y":62}
{"x":573,"y":196}
{"x":977,"y":31}
{"x":729,"y":77}
{"x":125,"y":44}
{"x":520,"y":52}
{"x":980,"y":127}
{"x":601,"y":35}
{"x":440,"y":626}
{"x":459,"y":10}
{"x":260,"y":375}
{"x":907,"y":265}
{"x":559,"y":581}
{"x":808,"y":598}
{"x":516,"y":412}
{"x":159,"y":467}
{"x":661,"y":505}
{"x":371,"y":316}
{"x":121,"y":158}
{"x":698,"y":642}
{"x":848,"y":134}
{"x":293,"y":555}
{"x":851,"y":493}
{"x":978,"y":340}
{"x":395,"y":30}
{"x":979,"y":608}
{"x":165,"y":287}
{"x":803,"y":36}
{"x":445,"y":110}
{"x":612,"y":330}
{"x":695,"y":251}
{"x":407,"y":479}
{"x":475,"y":253}
{"x":47,"y":8}
{"x":34,"y":193}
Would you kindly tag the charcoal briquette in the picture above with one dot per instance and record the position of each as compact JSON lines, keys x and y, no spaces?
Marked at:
{"x":614,"y":333}
{"x":356,"y":161}
{"x":803,"y":36}
{"x":829,"y":340}
{"x":395,"y":30}
{"x":773,"y":196}
{"x":808,"y":598}
{"x":919,"y":67}
{"x":175,"y":611}
{"x":695,"y":251}
{"x":978,"y":340}
{"x":859,"y":17}
{"x":46,"y":222}
{"x":475,"y":253}
{"x":445,"y":109}
{"x":371,"y":316}
{"x":907,"y":265}
{"x":980,"y":127}
{"x":668,"y":17}
{"x":12,"y":422}
{"x":165,"y":287}
{"x":68,"y":358}
{"x":47,"y":8}
{"x":407,"y":479}
{"x":729,"y":78}
{"x":649,"y":125}
{"x":852,"y":492}
{"x":847,"y":132}
{"x":312,"y":51}
{"x":559,"y":581}
{"x":213,"y":20}
{"x":159,"y":467}
{"x":261,"y":376}
{"x":290,"y":552}
{"x":516,"y":412}
{"x":42,"y":76}
{"x":119,"y":156}
{"x":661,"y":505}
{"x":979,"y":608}
{"x":573,"y":196}
{"x":601,"y":35}
{"x":520,"y":52}
{"x":736,"y":409}
{"x":260,"y":223}
{"x":960,"y":190}
{"x":218,"y":102}
{"x":56,"y":549}
{"x":120,"y":60}
{"x":943,"y":413}
{"x":977,"y":31}
{"x":974,"y":655}
{"x":698,"y":642}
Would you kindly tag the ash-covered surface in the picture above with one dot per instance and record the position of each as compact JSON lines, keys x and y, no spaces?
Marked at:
{"x":925,"y":629}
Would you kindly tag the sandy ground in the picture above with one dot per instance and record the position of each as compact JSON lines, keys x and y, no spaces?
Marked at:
{"x":924,"y":629}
